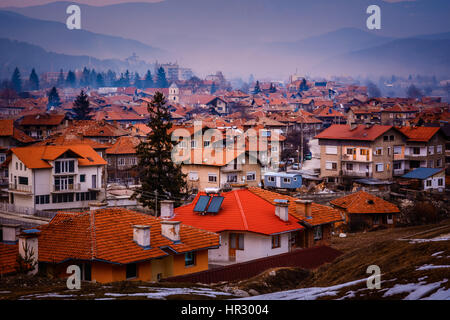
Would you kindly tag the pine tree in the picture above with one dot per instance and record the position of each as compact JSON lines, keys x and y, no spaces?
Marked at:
{"x":213,"y":88}
{"x":257,"y":88}
{"x":100,"y":82}
{"x":160,"y":176}
{"x":161,"y":81}
{"x":34,"y":80}
{"x":127,"y":81}
{"x":71,"y":79}
{"x":53,"y":98}
{"x":84,"y":81}
{"x":148,"y":82}
{"x":16,"y":80}
{"x":81,"y":107}
{"x":137,"y":80}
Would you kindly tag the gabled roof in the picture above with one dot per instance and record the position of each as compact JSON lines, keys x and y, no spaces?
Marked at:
{"x":107,"y":235}
{"x":361,"y":132}
{"x":59,"y":139}
{"x":422,"y":173}
{"x":42,"y":119}
{"x":124,"y":145}
{"x":418,"y":134}
{"x":38,"y":157}
{"x":363,"y":202}
{"x":7,"y":129}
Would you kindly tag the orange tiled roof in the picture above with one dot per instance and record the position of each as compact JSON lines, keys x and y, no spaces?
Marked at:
{"x":59,"y":139}
{"x":363,"y":202}
{"x":320,"y":214}
{"x":38,"y":157}
{"x":7,"y":129}
{"x":361,"y":132}
{"x":42,"y":119}
{"x":92,"y":128}
{"x":8,"y":255}
{"x":107,"y":234}
{"x":124,"y":145}
{"x":419,"y":134}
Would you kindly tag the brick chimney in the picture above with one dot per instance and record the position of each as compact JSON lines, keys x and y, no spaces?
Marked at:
{"x":141,"y":235}
{"x":304,"y":208}
{"x":10,"y":232}
{"x":282,"y":209}
{"x":171,"y":230}
{"x":167,"y":209}
{"x":29,"y":246}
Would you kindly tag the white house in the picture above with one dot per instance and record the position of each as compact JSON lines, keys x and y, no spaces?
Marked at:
{"x":55,"y":177}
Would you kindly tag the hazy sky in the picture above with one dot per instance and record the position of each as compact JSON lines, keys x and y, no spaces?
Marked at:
{"x":25,"y":3}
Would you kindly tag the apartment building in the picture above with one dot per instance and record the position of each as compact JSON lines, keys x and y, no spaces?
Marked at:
{"x":55,"y":177}
{"x":40,"y":126}
{"x":350,"y":152}
{"x":423,"y":147}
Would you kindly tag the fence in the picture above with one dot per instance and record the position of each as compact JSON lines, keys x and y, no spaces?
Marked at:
{"x":310,"y":258}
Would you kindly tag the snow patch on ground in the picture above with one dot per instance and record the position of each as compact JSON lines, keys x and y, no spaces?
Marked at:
{"x":429,"y":240}
{"x":416,"y":290}
{"x":162,"y":293}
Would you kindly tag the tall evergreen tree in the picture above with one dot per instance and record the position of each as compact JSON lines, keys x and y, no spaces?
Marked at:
{"x":137,"y":80}
{"x":16,"y":80}
{"x":53,"y":98}
{"x":213,"y":88}
{"x":161,"y":81}
{"x":148,"y":81}
{"x":85,"y":76}
{"x":34,"y":80}
{"x":81,"y":107}
{"x":99,"y":82}
{"x":127,"y":79}
{"x":257,"y":88}
{"x":60,"y":81}
{"x":160,"y":176}
{"x":71,"y":79}
{"x":414,"y":92}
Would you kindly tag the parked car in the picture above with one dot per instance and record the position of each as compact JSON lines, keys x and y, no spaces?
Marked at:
{"x":296,"y":166}
{"x":308,"y":156}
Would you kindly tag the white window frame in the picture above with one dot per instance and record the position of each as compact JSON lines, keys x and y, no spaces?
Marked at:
{"x":331,"y":150}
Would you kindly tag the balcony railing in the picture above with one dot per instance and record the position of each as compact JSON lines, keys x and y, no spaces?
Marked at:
{"x":66,"y":188}
{"x":351,"y":173}
{"x":20,"y":188}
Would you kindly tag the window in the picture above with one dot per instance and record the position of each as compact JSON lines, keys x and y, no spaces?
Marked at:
{"x":416,"y":150}
{"x":349,"y":166}
{"x":378,"y":151}
{"x":397,"y":165}
{"x":23,"y":180}
{"x":232,"y":178}
{"x":212,"y":178}
{"x":363,"y":152}
{"x":17,"y":166}
{"x":351,"y":151}
{"x":430,"y":163}
{"x":440,"y":182}
{"x":121,"y":161}
{"x":276,"y":241}
{"x":64,"y":183}
{"x":193,"y":144}
{"x":131,"y":271}
{"x":237,"y":241}
{"x":44,"y":199}
{"x":193,"y":176}
{"x":379,"y":167}
{"x":429,"y":183}
{"x":63,"y":166}
{"x":385,"y":138}
{"x":391,"y":138}
{"x":431,"y":149}
{"x":389,"y":151}
{"x":439,"y":149}
{"x":133,"y":161}
{"x":82,"y":178}
{"x":318,"y":233}
{"x":2,"y":158}
{"x":331,"y":150}
{"x":21,"y":166}
{"x":438,"y":163}
{"x":331,"y":165}
{"x":397,"y":149}
{"x":206,"y":143}
{"x":271,"y":179}
{"x":286,"y":180}
{"x":251,"y":176}
{"x":189,"y":259}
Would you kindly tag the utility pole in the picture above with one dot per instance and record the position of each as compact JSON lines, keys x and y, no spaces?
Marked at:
{"x":156,"y":203}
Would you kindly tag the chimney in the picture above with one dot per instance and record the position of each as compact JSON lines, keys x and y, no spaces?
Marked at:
{"x":141,"y":235}
{"x":171,"y":230}
{"x":29,"y":247}
{"x":304,"y":208}
{"x":282,"y":209}
{"x":97,"y":205}
{"x":167,"y":209}
{"x":10,"y":232}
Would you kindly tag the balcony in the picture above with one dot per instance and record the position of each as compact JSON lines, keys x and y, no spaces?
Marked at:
{"x":356,"y":158}
{"x":20,"y":188}
{"x":399,"y":172}
{"x":65,"y":188}
{"x":353,"y":173}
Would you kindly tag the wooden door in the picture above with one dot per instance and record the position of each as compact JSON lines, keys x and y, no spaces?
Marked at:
{"x":232,"y":245}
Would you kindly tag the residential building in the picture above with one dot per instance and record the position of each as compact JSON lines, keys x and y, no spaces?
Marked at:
{"x":55,"y":177}
{"x":122,"y":160}
{"x":366,"y":210}
{"x":358,"y":151}
{"x":112,"y":245}
{"x":426,"y":179}
{"x":40,"y":126}
{"x":255,"y":223}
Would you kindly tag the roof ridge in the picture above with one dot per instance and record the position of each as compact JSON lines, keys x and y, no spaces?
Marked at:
{"x":238,"y":200}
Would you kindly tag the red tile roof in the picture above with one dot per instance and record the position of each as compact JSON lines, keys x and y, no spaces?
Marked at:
{"x":8,"y":255}
{"x":419,"y":134}
{"x":107,"y":235}
{"x":241,"y":210}
{"x":361,"y":132}
{"x":124,"y":145}
{"x":42,"y":119}
{"x":7,"y":129}
{"x":363,"y":202}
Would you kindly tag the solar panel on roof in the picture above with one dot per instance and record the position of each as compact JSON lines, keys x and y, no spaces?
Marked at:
{"x":215,"y":204}
{"x":201,"y":204}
